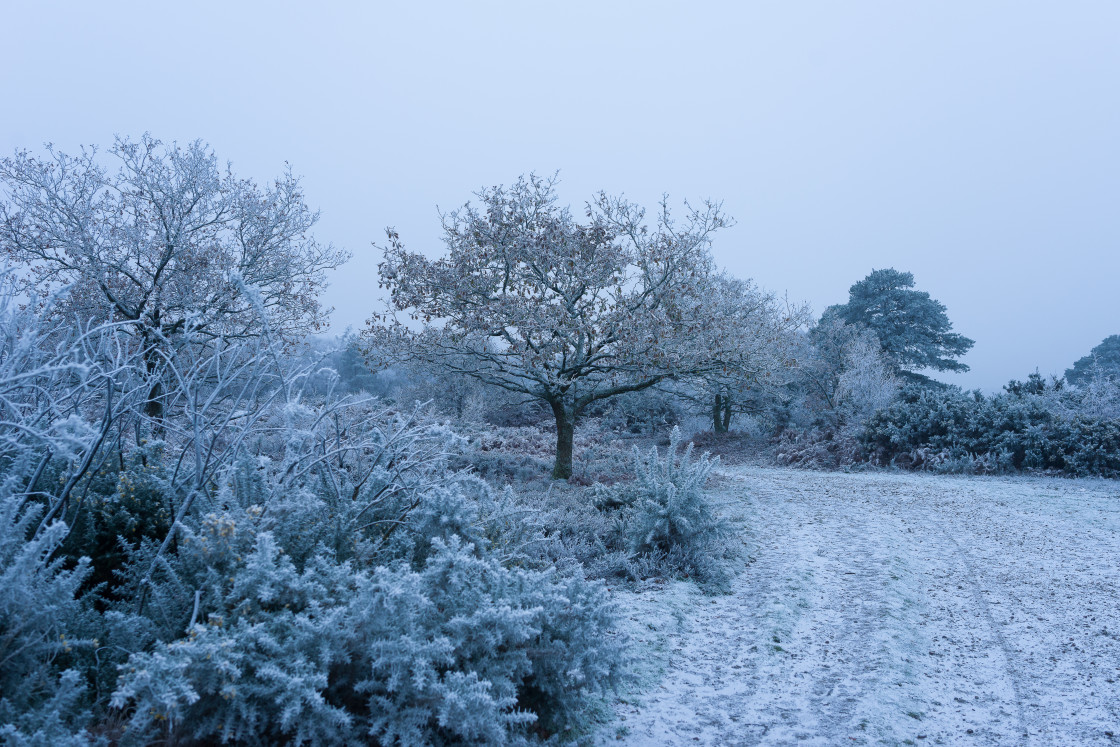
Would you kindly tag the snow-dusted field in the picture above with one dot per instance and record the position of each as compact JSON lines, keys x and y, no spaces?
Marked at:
{"x":891,"y":608}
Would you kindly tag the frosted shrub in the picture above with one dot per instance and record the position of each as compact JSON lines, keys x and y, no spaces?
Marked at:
{"x":671,"y":517}
{"x":268,"y":568}
{"x":460,"y":649}
{"x":1032,"y":426}
{"x":480,"y":651}
{"x":39,"y":702}
{"x":406,"y":623}
{"x":254,"y":669}
{"x":339,"y":585}
{"x":54,"y":722}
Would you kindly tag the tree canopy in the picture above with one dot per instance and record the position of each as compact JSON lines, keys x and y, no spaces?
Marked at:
{"x":170,"y":245}
{"x":168,"y":241}
{"x":1103,"y":360}
{"x":913,"y":329}
{"x":533,"y":301}
{"x":750,"y":343}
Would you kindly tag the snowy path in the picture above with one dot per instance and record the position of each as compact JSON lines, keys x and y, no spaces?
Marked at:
{"x":892,"y":609}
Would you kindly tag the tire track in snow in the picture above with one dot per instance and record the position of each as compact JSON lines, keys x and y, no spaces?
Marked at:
{"x":977,"y":595}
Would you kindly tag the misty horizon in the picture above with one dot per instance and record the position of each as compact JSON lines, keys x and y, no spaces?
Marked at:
{"x":971,"y":146}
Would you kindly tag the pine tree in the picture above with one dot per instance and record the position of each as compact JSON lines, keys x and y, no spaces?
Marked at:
{"x":913,"y":329}
{"x":1103,"y":359}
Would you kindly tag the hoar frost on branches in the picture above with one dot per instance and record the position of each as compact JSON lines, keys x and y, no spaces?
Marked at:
{"x":330,"y":580}
{"x":166,"y":243}
{"x":275,"y":568}
{"x":750,"y":342}
{"x":533,"y":301}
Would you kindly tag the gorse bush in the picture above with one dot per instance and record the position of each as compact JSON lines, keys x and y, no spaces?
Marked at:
{"x":1031,"y":426}
{"x":462,"y":650}
{"x":41,"y":631}
{"x":670,"y":507}
{"x":266,"y":567}
{"x":312,"y":617}
{"x":400,"y":625}
{"x":665,"y":520}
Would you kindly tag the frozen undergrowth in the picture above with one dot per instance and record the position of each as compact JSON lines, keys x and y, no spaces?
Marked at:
{"x":891,"y":609}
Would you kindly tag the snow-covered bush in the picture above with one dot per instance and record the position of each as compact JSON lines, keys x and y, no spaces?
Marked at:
{"x":267,"y":568}
{"x":56,"y":721}
{"x":349,"y":587}
{"x":41,"y":694}
{"x":558,"y":527}
{"x":668,"y":516}
{"x":654,"y":518}
{"x":670,"y":503}
{"x":436,"y":643}
{"x":1031,"y":426}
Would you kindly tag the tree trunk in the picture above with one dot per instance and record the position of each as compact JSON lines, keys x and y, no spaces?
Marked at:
{"x":719,"y":418}
{"x":153,"y":406}
{"x":726,"y":414}
{"x":565,"y":430}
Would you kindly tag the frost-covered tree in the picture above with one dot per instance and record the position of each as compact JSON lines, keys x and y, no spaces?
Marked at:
{"x":913,"y":329}
{"x":750,"y":342}
{"x":165,"y":241}
{"x":842,"y":374}
{"x":533,"y":301}
{"x":280,"y":565}
{"x":1102,"y":361}
{"x":866,"y":384}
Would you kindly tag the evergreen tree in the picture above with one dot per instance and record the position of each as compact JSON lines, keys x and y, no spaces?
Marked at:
{"x":1104,"y":358}
{"x":913,"y":329}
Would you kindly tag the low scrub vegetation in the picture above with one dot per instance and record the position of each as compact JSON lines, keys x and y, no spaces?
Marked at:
{"x":1031,"y":426}
{"x":336,"y":581}
{"x":668,"y":520}
{"x":1034,"y":426}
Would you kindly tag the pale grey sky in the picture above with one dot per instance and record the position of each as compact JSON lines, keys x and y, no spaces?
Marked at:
{"x":975,"y":144}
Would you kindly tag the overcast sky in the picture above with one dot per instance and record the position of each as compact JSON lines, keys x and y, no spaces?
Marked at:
{"x":975,"y":144}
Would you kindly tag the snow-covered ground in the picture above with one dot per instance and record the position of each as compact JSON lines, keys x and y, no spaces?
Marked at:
{"x":890,"y":608}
